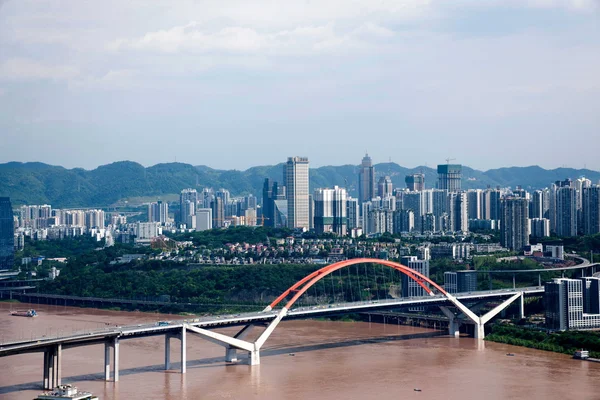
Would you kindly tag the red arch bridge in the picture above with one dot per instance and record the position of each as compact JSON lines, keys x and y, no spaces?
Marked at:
{"x":286,"y":306}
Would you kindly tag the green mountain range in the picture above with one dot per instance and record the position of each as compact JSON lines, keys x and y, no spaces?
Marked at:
{"x":38,"y":183}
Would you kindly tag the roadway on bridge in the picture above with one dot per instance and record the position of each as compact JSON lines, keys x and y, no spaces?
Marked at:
{"x":211,"y":322}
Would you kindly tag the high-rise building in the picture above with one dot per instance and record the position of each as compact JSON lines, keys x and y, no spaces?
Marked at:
{"x":567,"y":300}
{"x":566,"y":211}
{"x":353,"y":213}
{"x":7,"y":234}
{"x":404,"y":221}
{"x":366,"y":180}
{"x":474,"y":200}
{"x":457,"y":212}
{"x":188,"y":199}
{"x":330,"y":211}
{"x":449,"y":177}
{"x":411,"y":288}
{"x":218,"y":212}
{"x":272,"y":191}
{"x":158,"y":212}
{"x":591,"y":210}
{"x":540,"y":227}
{"x":297,"y":184}
{"x":536,"y":206}
{"x":204,"y":219}
{"x":514,"y":223}
{"x":415,"y":182}
{"x":460,"y":281}
{"x":413,"y":201}
{"x":491,"y":204}
{"x":384,"y":187}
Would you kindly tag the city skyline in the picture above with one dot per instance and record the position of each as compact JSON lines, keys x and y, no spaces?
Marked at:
{"x":144,"y":78}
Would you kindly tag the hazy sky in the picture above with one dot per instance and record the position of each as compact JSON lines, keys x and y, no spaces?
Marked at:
{"x":236,"y":83}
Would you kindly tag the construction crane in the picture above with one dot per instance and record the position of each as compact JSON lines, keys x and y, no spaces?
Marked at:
{"x":449,"y":159}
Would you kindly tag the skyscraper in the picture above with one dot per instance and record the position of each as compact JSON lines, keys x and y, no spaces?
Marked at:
{"x":296,"y":182}
{"x":591,"y":210}
{"x":449,"y":177}
{"x":475,"y":199}
{"x":514,"y":224}
{"x":188,"y":199}
{"x":491,"y":204}
{"x":158,"y":212}
{"x":366,"y":180}
{"x":457,"y":212}
{"x":218,"y":212}
{"x":384,"y":186}
{"x":566,"y":211}
{"x":7,"y":234}
{"x":411,"y":288}
{"x":415,"y":182}
{"x":330,"y":211}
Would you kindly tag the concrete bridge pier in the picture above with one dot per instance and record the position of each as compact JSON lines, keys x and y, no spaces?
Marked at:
{"x":254,"y":357}
{"x":114,"y":345}
{"x":522,"y":306}
{"x":182,"y":337}
{"x":52,"y":367}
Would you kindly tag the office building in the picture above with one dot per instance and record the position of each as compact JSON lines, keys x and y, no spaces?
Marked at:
{"x":514,"y":223}
{"x":330,"y":211}
{"x":449,"y":177}
{"x":410,"y":288}
{"x":460,"y":281}
{"x":591,"y":210}
{"x":572,"y":304}
{"x":366,"y":180}
{"x":7,"y":234}
{"x":566,"y":211}
{"x":158,"y":212}
{"x":296,"y":183}
{"x":415,"y":182}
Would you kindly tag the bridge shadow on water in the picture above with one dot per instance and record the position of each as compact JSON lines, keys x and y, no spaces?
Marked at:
{"x":213,"y":362}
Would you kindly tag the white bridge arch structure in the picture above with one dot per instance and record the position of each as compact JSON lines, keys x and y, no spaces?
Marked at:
{"x":237,"y":342}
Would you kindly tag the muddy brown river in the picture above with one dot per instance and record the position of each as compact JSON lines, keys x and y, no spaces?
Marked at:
{"x":331,"y":360}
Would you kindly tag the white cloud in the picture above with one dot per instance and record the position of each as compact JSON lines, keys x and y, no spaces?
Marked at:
{"x":301,"y":40}
{"x":26,"y":69}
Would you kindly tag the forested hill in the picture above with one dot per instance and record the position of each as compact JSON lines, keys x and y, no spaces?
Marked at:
{"x":38,"y":183}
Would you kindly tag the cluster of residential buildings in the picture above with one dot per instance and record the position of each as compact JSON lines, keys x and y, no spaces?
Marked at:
{"x":566,"y":208}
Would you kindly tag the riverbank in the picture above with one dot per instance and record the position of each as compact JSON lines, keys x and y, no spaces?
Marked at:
{"x":558,"y":342}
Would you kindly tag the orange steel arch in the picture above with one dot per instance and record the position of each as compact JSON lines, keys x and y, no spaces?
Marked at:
{"x":316,"y":276}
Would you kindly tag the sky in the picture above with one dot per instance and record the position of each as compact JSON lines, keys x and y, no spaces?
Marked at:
{"x":234,"y":83}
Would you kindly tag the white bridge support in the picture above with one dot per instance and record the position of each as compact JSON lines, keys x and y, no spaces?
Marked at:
{"x":182,"y":338}
{"x":479,"y":322}
{"x":232,"y":344}
{"x":52,"y":367}
{"x":114,"y":345}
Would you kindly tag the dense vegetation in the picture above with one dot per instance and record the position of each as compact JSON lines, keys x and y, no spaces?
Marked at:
{"x":561,"y":342}
{"x":38,"y":183}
